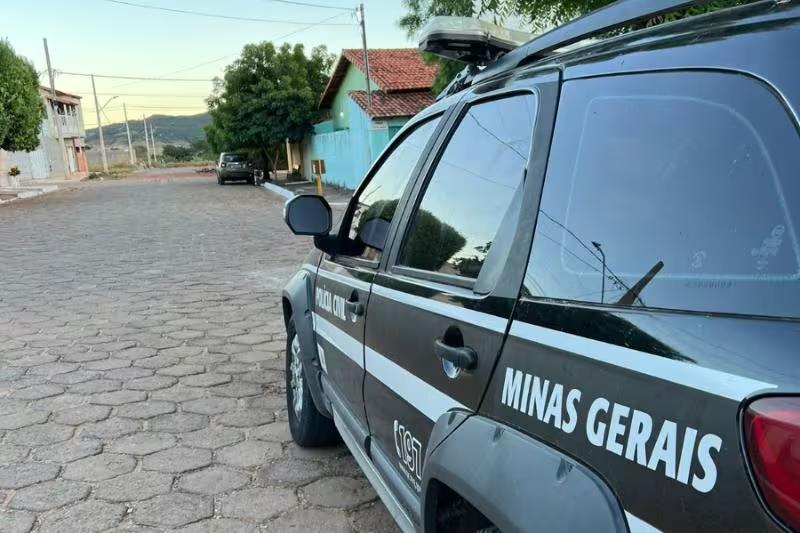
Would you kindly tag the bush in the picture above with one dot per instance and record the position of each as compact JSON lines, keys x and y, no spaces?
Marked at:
{"x":431,"y":242}
{"x":171,"y":152}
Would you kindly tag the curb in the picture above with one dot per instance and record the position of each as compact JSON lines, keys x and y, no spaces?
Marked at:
{"x":278,"y":190}
{"x":25,"y":192}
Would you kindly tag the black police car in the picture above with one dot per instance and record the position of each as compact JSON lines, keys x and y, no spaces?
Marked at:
{"x":566,"y":297}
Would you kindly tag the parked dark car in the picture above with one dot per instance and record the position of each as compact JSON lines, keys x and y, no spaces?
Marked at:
{"x":234,"y":167}
{"x":566,"y":297}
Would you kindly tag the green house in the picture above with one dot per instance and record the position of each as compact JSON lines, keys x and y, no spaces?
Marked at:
{"x":355,"y":133}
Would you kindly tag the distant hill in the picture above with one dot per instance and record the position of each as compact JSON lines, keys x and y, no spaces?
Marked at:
{"x":179,"y":130}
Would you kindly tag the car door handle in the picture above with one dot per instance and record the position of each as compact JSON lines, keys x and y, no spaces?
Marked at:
{"x":355,"y":307}
{"x":462,"y":357}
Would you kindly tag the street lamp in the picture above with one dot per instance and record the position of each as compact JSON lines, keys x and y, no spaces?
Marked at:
{"x":603,"y":285}
{"x":108,"y":102}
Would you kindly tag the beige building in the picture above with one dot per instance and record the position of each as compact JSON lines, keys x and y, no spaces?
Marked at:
{"x":44,"y":162}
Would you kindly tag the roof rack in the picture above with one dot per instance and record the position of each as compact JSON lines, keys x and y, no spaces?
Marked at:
{"x":611,"y":17}
{"x":600,"y":21}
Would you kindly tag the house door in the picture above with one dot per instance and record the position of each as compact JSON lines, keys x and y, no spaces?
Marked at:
{"x":73,"y":162}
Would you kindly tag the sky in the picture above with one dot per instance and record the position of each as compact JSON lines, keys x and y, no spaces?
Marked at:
{"x":108,"y":38}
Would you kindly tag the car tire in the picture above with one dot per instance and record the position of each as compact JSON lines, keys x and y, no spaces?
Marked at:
{"x":220,"y":181}
{"x":309,"y":427}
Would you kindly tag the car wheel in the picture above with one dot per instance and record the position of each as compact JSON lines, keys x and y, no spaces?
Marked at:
{"x":220,"y":181}
{"x":309,"y":427}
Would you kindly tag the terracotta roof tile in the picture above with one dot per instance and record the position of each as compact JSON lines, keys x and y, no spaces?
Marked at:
{"x":391,"y":105}
{"x":393,"y":69}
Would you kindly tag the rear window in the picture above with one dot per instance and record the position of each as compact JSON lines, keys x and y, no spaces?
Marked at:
{"x":234,"y":158}
{"x":677,"y":191}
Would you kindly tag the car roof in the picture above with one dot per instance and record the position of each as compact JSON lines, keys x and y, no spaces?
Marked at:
{"x":697,"y":42}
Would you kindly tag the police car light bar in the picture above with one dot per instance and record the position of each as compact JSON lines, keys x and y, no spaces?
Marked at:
{"x":468,"y":39}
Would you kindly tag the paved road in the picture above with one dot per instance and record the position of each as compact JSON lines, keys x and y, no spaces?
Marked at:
{"x":141,"y":367}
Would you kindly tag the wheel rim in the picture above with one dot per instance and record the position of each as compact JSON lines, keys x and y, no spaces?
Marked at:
{"x":296,"y":379}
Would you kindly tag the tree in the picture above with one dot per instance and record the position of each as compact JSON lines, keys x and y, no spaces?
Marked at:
{"x":176,"y":153}
{"x":21,"y":107}
{"x":201,"y":149}
{"x":265,"y":97}
{"x":419,"y":11}
{"x":537,"y":15}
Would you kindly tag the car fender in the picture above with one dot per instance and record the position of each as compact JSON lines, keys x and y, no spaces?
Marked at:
{"x":516,"y":481}
{"x":298,"y":293}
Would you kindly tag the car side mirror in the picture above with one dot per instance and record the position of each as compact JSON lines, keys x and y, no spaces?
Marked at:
{"x":373,"y":233}
{"x":308,"y":214}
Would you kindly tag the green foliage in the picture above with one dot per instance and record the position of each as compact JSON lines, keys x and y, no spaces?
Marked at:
{"x":266,"y":96}
{"x":169,"y":129}
{"x":543,"y":14}
{"x":431,"y":242}
{"x":448,"y":69}
{"x":201,"y":149}
{"x":418,"y":13}
{"x":21,"y":107}
{"x":383,"y":209}
{"x":170,"y":152}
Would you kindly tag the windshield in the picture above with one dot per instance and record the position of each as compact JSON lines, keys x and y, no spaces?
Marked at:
{"x":234,"y":158}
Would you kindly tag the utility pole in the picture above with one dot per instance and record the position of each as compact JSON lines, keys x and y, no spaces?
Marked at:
{"x":146,"y":141}
{"x":100,"y":128}
{"x":153,"y":142}
{"x":366,"y":55}
{"x":131,"y":153}
{"x":62,"y":147}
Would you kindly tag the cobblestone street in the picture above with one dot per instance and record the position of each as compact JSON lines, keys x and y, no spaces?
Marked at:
{"x":141,"y":366}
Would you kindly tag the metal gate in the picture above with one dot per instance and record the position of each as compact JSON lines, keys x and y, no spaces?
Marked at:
{"x":40,"y":166}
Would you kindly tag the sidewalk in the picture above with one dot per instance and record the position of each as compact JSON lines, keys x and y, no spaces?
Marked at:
{"x":336,"y":196}
{"x":9,"y":194}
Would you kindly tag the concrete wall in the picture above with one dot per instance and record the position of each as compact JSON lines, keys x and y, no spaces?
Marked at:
{"x":32,"y":165}
{"x":354,"y":80}
{"x":349,"y":153}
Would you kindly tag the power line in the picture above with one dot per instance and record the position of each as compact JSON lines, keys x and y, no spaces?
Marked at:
{"x":216,"y":15}
{"x":308,"y":4}
{"x":181,"y":71}
{"x":295,"y":32}
{"x":165,"y":107}
{"x":149,"y":107}
{"x":160,"y":95}
{"x":141,"y":78}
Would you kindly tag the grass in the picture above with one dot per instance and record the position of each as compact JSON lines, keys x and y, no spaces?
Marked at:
{"x":198,"y":163}
{"x":114,"y":171}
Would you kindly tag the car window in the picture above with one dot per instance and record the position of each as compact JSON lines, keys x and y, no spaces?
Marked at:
{"x":234,"y":158}
{"x":675,"y":191}
{"x":376,"y":204}
{"x":481,"y":169}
